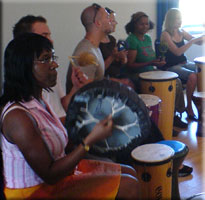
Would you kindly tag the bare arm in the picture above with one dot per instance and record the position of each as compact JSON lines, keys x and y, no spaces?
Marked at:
{"x":20,"y":128}
{"x":165,"y":37}
{"x":79,"y":79}
{"x":199,"y":40}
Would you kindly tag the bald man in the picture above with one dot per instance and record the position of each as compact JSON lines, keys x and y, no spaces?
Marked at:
{"x":96,"y":22}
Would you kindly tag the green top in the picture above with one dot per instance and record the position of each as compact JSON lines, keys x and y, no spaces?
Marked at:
{"x":145,"y":52}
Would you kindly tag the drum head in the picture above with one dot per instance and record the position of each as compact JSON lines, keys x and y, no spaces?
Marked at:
{"x":149,"y":99}
{"x":152,"y":154}
{"x":99,"y":99}
{"x":158,"y":76}
{"x":200,"y":60}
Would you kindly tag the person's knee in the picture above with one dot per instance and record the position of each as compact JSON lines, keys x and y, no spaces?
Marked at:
{"x":126,"y":169}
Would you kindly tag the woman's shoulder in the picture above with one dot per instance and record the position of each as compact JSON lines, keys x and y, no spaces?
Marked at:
{"x":165,"y":35}
{"x":148,"y":37}
{"x":131,"y":36}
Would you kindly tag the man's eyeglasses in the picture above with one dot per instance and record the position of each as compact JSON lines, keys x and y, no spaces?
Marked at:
{"x":48,"y":60}
{"x":96,"y":7}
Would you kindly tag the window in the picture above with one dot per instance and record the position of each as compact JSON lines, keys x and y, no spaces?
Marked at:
{"x":193,"y":15}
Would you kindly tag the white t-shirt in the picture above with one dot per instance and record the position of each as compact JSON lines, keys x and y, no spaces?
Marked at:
{"x":54,"y":98}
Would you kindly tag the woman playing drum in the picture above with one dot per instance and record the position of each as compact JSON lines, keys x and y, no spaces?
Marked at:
{"x":141,"y":57}
{"x":176,"y":61}
{"x":33,"y":138}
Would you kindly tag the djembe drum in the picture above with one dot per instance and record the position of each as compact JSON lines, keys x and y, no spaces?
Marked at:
{"x":98,"y":99}
{"x":200,"y":63}
{"x":152,"y":102}
{"x":153,"y":163}
{"x":180,"y":152}
{"x":163,"y":85}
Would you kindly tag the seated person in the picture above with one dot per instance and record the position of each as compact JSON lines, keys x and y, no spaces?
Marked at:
{"x":33,"y":138}
{"x":96,"y":22}
{"x":176,"y":61}
{"x":114,"y":59}
{"x":141,"y":57}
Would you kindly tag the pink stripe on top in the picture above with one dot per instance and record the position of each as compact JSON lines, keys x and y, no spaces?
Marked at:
{"x":17,"y":173}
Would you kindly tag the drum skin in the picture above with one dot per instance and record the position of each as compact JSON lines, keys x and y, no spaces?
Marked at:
{"x":98,"y":99}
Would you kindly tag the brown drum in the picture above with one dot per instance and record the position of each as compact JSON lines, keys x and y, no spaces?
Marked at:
{"x":200,"y":63}
{"x":153,"y":164}
{"x":199,"y":100}
{"x":163,"y":85}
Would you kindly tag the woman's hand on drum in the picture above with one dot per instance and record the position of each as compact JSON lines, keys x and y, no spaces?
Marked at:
{"x":158,"y":62}
{"x":102,"y":130}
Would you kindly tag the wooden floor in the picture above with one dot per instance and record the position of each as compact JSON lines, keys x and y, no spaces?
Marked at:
{"x":194,"y":183}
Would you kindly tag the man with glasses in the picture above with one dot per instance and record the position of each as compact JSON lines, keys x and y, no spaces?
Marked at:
{"x":56,"y":99}
{"x":96,"y":21}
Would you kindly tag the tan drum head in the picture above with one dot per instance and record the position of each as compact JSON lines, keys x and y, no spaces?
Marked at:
{"x":200,"y":60}
{"x":158,"y":75}
{"x":149,"y":99}
{"x":152,"y":154}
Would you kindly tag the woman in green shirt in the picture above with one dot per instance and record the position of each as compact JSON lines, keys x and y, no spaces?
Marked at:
{"x":141,"y":56}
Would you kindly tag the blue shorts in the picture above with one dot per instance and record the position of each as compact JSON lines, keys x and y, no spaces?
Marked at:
{"x":183,"y":70}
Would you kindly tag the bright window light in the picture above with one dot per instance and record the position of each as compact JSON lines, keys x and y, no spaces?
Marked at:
{"x":193,"y":17}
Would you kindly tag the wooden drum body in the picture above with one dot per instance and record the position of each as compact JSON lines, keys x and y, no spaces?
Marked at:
{"x":163,"y":85}
{"x":152,"y":102}
{"x":153,"y":164}
{"x":200,"y":63}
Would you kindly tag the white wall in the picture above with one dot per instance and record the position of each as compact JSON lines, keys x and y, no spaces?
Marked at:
{"x":63,"y":18}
